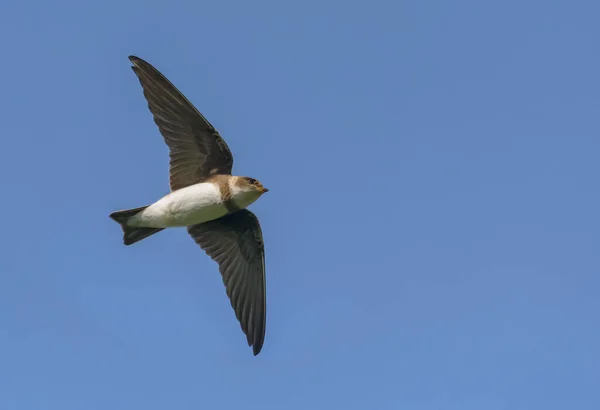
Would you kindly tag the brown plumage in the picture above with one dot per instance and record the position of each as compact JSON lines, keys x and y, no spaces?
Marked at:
{"x":222,"y":181}
{"x":199,"y":154}
{"x":235,"y":242}
{"x":196,"y":148}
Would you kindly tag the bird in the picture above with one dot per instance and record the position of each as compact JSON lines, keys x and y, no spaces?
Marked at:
{"x":205,"y":198}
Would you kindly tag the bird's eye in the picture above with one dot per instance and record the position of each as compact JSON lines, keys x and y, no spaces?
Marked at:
{"x":252,"y":181}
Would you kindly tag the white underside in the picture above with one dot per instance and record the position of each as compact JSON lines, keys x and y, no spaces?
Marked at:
{"x":191,"y":205}
{"x":187,"y":206}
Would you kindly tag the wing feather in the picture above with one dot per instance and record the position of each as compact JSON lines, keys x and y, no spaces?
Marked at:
{"x":235,"y":242}
{"x":196,"y":148}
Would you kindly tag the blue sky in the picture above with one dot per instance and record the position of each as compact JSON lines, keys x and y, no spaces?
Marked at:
{"x":431,"y":230}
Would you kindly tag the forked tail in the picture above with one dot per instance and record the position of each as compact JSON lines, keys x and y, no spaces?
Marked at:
{"x":132,"y":234}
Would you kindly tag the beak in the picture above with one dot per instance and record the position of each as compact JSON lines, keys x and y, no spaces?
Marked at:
{"x":265,"y":190}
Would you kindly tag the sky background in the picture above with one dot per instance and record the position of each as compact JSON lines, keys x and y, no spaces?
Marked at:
{"x":432,"y":230}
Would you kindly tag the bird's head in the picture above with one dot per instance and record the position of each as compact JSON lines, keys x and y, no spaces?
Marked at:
{"x":245,"y":190}
{"x":251,"y":185}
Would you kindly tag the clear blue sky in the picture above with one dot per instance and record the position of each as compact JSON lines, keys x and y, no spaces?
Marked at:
{"x":432,"y":229}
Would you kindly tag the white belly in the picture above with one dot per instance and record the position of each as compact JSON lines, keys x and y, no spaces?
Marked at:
{"x":187,"y":206}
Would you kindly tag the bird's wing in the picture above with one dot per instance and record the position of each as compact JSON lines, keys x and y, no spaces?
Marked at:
{"x":196,"y":148}
{"x":235,"y":242}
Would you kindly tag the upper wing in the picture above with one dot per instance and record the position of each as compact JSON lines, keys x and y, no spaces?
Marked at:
{"x":196,"y":148}
{"x":235,"y":242}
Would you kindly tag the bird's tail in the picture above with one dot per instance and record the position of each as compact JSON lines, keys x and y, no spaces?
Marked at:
{"x":132,"y":234}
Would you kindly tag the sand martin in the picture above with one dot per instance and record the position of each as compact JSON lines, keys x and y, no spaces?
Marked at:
{"x":206,"y":199}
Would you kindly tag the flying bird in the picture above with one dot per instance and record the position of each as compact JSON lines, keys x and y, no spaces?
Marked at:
{"x":206,"y":199}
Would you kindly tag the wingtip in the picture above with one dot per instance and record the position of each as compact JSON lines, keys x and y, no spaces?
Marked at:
{"x":136,"y":61}
{"x":256,"y":349}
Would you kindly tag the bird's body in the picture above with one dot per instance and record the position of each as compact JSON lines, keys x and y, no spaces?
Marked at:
{"x":188,"y":206}
{"x":206,"y":199}
{"x":195,"y":204}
